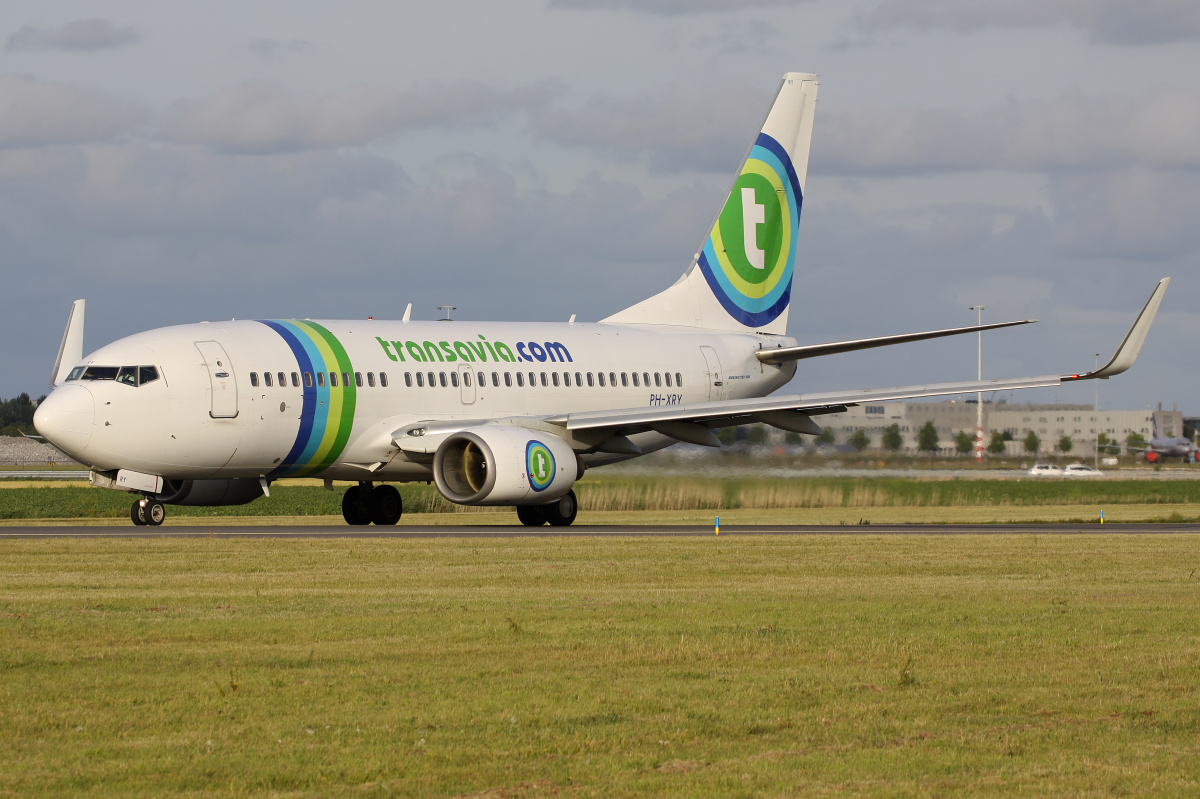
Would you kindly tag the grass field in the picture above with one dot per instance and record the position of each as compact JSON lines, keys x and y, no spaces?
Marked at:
{"x":816,"y":666}
{"x":822,"y":500}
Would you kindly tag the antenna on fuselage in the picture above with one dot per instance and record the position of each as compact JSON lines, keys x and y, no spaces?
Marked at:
{"x":447,"y":309}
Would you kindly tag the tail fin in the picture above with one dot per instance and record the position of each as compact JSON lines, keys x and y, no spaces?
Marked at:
{"x":742,"y":277}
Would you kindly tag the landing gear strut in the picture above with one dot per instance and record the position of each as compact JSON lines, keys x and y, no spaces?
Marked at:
{"x":365,"y":504}
{"x":560,"y":513}
{"x":147,"y":511}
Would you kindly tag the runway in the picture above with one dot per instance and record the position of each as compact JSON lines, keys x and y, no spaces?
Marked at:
{"x":585,"y":531}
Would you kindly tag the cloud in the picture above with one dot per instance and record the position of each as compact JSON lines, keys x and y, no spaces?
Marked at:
{"x":82,"y":34}
{"x":264,"y":117}
{"x":1073,"y":131}
{"x":671,"y":7}
{"x":1107,"y":21}
{"x":682,"y":129}
{"x":36,"y":113}
{"x":274,"y":48}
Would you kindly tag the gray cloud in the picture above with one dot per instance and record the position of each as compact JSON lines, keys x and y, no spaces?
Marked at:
{"x":671,"y":7}
{"x":264,"y":117}
{"x":683,"y":129}
{"x":1109,"y":21}
{"x":35,"y":113}
{"x":274,"y":48}
{"x":1070,"y":132}
{"x":83,"y":34}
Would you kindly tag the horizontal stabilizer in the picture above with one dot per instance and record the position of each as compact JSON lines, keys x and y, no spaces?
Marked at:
{"x":785,"y":354}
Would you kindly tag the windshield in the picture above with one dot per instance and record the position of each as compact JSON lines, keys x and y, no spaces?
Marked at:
{"x":126,"y":375}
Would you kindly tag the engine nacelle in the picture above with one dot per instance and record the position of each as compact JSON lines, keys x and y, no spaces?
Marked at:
{"x":499,"y":465}
{"x":210,"y":492}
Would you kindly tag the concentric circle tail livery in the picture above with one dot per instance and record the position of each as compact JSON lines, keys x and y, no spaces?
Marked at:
{"x":741,"y":278}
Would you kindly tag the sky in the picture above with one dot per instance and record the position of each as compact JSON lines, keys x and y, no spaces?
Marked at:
{"x":533,"y":159}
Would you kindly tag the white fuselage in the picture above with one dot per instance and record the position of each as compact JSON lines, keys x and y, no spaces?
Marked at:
{"x":213,"y":412}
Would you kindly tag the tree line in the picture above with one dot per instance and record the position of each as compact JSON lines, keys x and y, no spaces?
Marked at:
{"x":16,"y":415}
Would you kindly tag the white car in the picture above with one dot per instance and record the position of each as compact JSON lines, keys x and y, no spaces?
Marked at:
{"x":1080,"y":470}
{"x":1045,"y":470}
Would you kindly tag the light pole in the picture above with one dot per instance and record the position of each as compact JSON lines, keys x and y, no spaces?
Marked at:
{"x":1096,"y":413}
{"x":979,"y":309}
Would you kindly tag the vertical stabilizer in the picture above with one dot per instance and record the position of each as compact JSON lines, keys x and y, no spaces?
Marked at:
{"x":70,"y":351}
{"x":741,"y":279}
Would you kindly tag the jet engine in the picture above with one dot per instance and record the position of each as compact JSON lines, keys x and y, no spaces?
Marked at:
{"x":500,"y":465}
{"x":210,"y":492}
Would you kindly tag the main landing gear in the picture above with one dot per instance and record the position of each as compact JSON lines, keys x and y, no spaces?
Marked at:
{"x":559,"y":513}
{"x":148,"y":511}
{"x":370,"y":504}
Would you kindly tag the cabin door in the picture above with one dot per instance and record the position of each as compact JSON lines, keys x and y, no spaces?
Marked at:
{"x":716,"y":384}
{"x":224,"y":401}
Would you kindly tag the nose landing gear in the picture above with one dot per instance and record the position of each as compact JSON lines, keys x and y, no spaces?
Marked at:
{"x":148,"y":511}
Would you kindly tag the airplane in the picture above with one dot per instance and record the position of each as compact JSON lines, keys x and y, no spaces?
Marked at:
{"x":1166,"y":447}
{"x":493,"y":413}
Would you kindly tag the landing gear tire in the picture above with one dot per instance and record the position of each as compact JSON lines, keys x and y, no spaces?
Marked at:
{"x":154,"y":512}
{"x":531,"y":515}
{"x":354,"y":506}
{"x":147,"y":512}
{"x":385,"y":505}
{"x":562,"y":511}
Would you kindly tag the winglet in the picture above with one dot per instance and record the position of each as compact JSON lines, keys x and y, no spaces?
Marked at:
{"x":70,"y":351}
{"x":1127,"y":353}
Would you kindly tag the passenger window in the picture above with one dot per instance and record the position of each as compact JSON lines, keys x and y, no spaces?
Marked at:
{"x":646,"y":379}
{"x":482,"y":379}
{"x":442,"y":375}
{"x":612,"y":379}
{"x":420,"y":379}
{"x":408,"y":379}
{"x":453,"y":379}
{"x":383,"y":379}
{"x":267,"y":379}
{"x":624,"y":380}
{"x":508,"y":379}
{"x":358,"y":379}
{"x":282,"y":380}
{"x":432,"y":380}
{"x":147,"y":374}
{"x":668,"y":376}
{"x":578,"y":379}
{"x":635,"y":379}
{"x":553,"y":375}
{"x":657,"y":380}
{"x":127,"y":375}
{"x":333,"y":379}
{"x":495,"y":379}
{"x":467,"y":379}
{"x":678,"y":380}
{"x":521,"y":379}
{"x":308,"y":379}
{"x":254,"y":379}
{"x":346,"y":379}
{"x":371,"y":379}
{"x":591,"y":382}
{"x":295,"y":380}
{"x":600,"y":377}
{"x":532,"y":380}
{"x":320,"y":380}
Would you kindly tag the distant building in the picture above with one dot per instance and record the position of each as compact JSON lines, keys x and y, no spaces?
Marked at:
{"x":1049,"y":422}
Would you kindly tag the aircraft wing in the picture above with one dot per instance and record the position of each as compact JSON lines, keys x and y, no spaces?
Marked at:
{"x":788,"y":412}
{"x":693,"y":422}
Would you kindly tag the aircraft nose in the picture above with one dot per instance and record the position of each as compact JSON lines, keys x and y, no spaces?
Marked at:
{"x":66,"y":418}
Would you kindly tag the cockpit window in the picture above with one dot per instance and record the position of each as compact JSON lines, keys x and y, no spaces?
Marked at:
{"x":100,"y":373}
{"x":126,"y":375}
